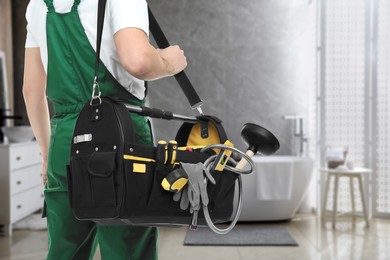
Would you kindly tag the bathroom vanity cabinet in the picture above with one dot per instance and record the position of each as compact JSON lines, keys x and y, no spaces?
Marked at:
{"x":21,"y":189}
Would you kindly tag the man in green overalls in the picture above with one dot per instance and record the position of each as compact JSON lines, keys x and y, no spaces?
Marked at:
{"x":59,"y":63}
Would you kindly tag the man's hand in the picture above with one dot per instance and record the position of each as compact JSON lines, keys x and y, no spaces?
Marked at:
{"x":44,"y":170}
{"x":174,"y":58}
{"x":144,"y":61}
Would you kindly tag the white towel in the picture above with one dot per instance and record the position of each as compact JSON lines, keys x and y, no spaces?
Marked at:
{"x":335,"y":154}
{"x":274,"y":180}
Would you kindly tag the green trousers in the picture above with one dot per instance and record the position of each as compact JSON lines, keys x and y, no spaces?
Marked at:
{"x":70,"y":238}
{"x":73,"y":239}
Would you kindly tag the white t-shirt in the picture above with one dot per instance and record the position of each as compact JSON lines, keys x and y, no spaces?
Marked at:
{"x":119,"y":14}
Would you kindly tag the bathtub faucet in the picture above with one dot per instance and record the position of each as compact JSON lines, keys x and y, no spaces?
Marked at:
{"x":299,"y":132}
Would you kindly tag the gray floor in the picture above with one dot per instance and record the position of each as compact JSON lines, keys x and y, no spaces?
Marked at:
{"x":316,"y":241}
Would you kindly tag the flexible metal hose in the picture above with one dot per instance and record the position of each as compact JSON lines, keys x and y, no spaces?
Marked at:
{"x":208,"y":163}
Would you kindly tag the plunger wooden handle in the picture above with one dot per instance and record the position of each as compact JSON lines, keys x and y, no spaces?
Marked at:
{"x":242,"y":163}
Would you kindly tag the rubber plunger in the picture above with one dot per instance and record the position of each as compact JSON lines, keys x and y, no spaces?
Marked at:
{"x":258,"y":139}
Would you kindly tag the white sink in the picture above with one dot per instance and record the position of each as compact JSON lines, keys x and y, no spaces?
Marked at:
{"x":16,"y":134}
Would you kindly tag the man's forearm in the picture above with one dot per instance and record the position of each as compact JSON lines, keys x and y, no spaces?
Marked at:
{"x":34,"y":93}
{"x":38,"y":114}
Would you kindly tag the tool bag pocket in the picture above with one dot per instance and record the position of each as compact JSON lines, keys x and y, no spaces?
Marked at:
{"x":146,"y":202}
{"x":92,"y":182}
{"x":139,"y":184}
{"x":145,"y":198}
{"x":221,"y":195}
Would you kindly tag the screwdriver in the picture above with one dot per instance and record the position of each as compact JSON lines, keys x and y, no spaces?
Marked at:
{"x":172,"y":148}
{"x":162,"y":152}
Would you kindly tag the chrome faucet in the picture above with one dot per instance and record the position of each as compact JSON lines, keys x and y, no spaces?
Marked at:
{"x":299,"y":132}
{"x":3,"y":118}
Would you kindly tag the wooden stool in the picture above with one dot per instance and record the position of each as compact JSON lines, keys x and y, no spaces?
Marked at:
{"x":350,"y":173}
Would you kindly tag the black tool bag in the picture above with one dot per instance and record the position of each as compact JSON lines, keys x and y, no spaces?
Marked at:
{"x":114,"y":180}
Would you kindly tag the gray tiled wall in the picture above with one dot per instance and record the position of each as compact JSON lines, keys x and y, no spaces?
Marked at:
{"x":250,"y":61}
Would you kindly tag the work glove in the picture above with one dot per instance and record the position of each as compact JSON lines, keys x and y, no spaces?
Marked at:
{"x":182,"y":196}
{"x":197,"y":185}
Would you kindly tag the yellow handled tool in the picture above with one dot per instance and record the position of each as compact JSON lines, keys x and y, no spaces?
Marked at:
{"x":223,"y":157}
{"x":172,"y":149}
{"x":162,"y":152}
{"x":175,"y":180}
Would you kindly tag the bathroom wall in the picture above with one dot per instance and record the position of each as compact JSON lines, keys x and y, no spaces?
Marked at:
{"x":250,"y":61}
{"x":6,"y":43}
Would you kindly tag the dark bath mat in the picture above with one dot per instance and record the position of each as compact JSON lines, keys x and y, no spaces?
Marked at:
{"x":241,"y":236}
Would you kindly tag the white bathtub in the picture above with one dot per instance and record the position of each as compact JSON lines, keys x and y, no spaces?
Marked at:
{"x":255,"y":209}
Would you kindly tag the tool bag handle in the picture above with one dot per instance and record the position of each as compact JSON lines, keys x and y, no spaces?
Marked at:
{"x":162,"y":42}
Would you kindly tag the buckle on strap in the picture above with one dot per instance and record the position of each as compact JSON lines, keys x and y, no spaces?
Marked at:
{"x":96,"y":93}
{"x":82,"y":138}
{"x":194,"y":222}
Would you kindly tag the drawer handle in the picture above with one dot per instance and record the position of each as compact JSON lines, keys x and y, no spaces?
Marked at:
{"x":18,"y":182}
{"x":18,"y":158}
{"x":42,"y":195}
{"x":19,"y":206}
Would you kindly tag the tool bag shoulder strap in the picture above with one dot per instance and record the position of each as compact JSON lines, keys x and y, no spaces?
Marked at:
{"x":208,"y":130}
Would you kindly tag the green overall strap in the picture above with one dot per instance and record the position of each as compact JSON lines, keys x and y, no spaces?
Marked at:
{"x":71,"y":64}
{"x":75,"y":5}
